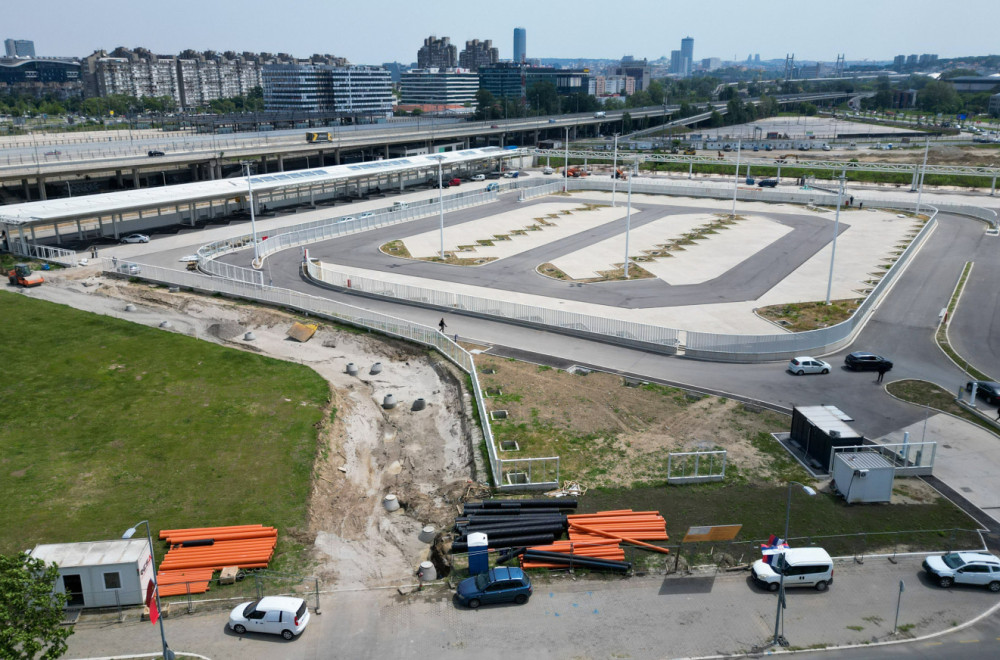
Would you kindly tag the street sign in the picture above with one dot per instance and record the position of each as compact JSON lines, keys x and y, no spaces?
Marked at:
{"x":711,"y":533}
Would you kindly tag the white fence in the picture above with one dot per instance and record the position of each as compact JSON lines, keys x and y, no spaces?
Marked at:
{"x":42,"y":252}
{"x":546,"y":468}
{"x":908,"y":458}
{"x":696,"y":466}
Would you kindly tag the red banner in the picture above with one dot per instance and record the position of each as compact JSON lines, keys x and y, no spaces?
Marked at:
{"x":154,"y":612}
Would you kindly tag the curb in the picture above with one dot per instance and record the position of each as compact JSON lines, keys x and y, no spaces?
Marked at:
{"x":891,"y":642}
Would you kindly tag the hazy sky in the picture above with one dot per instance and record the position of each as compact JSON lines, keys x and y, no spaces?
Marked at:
{"x":376,"y":31}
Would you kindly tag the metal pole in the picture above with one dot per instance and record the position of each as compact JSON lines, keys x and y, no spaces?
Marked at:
{"x":836,"y":230}
{"x":899,"y":600}
{"x":167,"y":653}
{"x":736,"y":181}
{"x":441,"y":205}
{"x":566,"y":163}
{"x":781,"y":579}
{"x":923,"y":168}
{"x":628,"y":216}
{"x":253,"y":223}
{"x":614,"y":173}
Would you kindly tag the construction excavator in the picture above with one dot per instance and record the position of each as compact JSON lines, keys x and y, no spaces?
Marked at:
{"x":576,"y":172}
{"x":21,"y":275}
{"x":619,"y":174}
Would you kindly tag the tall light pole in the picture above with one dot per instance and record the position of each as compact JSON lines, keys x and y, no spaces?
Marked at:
{"x":441,"y":203}
{"x":736,"y":181}
{"x":566,"y":163}
{"x":836,"y":230}
{"x":923,"y":169}
{"x":781,"y":585}
{"x":129,"y":533}
{"x":628,"y":214}
{"x":253,"y":222}
{"x":614,"y":173}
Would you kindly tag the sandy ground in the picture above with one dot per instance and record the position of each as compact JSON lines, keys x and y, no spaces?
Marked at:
{"x":366,"y":452}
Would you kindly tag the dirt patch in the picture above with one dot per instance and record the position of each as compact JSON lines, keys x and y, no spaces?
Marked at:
{"x":364,"y":451}
{"x":608,"y":433}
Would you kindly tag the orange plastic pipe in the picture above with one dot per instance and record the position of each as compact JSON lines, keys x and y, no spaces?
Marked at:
{"x":627,"y":540}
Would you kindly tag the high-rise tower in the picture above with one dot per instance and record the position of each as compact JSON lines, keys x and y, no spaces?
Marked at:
{"x":520,"y":44}
{"x":687,"y":55}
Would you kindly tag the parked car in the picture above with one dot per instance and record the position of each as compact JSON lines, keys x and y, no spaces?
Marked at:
{"x":862,"y":361}
{"x":478,"y":177}
{"x":987,"y":389}
{"x":277,"y":615}
{"x":494,"y":126}
{"x":399,"y":206}
{"x":128,"y":269}
{"x":547,"y":170}
{"x":366,"y":214}
{"x":803,"y":567}
{"x":827,"y":147}
{"x":978,"y":568}
{"x":54,"y":152}
{"x":510,"y":174}
{"x":135,"y":238}
{"x":492,"y":186}
{"x":768,"y":183}
{"x":808,"y":365}
{"x":455,"y":182}
{"x":154,"y":152}
{"x":498,"y":585}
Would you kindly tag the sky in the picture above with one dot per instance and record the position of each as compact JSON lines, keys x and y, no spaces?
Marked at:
{"x":377,"y":31}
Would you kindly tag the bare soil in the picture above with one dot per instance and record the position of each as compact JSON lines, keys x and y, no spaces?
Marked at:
{"x":364,"y":452}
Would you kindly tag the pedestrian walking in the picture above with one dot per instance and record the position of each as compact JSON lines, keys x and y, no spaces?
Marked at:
{"x":881,"y":372}
{"x":442,"y":325}
{"x":114,"y":261}
{"x":850,"y":202}
{"x":998,"y":413}
{"x":861,"y":205}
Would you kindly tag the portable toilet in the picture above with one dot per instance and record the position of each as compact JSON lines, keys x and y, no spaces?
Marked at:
{"x":863,"y":476}
{"x":479,"y":554}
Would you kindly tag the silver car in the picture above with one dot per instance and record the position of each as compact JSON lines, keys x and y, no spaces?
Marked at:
{"x":135,"y":238}
{"x":808,"y":365}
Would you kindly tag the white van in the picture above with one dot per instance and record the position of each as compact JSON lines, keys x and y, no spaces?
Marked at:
{"x":399,"y":206}
{"x":803,"y":567}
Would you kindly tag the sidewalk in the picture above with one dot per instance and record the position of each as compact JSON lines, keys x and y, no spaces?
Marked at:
{"x":639,"y":618}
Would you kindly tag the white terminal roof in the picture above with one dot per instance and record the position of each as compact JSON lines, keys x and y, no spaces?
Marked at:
{"x":829,"y":418}
{"x":165,"y":196}
{"x":93,"y":553}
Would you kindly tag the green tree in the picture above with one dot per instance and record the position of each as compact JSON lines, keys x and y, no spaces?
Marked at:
{"x":640,"y":99}
{"x":543,"y":98}
{"x":486,"y":105}
{"x":626,"y":123}
{"x":656,"y":92}
{"x":715,"y":120}
{"x":938,"y":96}
{"x":30,"y":612}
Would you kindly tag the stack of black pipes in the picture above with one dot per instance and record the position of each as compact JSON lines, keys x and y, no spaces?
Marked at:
{"x":512,"y":523}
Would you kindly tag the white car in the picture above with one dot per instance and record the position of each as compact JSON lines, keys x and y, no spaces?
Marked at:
{"x":547,"y":170}
{"x":808,"y":365}
{"x":349,"y":218}
{"x":135,"y":238}
{"x":977,"y":568}
{"x":366,"y":214}
{"x":276,"y":615}
{"x":478,"y":177}
{"x":827,"y":147}
{"x":129,"y":269}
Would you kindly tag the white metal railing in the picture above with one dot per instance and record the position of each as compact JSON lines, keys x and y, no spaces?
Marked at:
{"x":908,"y":458}
{"x":650,"y":336}
{"x":364,"y":318}
{"x":696,"y":466}
{"x":42,"y":252}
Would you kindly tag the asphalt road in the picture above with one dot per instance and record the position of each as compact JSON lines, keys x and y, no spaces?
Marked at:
{"x":748,"y":280}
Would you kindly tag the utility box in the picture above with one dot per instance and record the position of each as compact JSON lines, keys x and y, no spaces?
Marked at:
{"x":818,"y":429}
{"x":863,"y":476}
{"x":100,"y":573}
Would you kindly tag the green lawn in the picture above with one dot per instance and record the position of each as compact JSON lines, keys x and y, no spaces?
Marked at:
{"x":104,"y":423}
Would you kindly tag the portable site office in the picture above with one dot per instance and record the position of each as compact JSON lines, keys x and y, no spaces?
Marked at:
{"x":100,"y":573}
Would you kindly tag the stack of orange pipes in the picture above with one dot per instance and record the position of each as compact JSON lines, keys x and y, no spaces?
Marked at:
{"x":600,"y":549}
{"x":183,"y":569}
{"x":600,"y":534}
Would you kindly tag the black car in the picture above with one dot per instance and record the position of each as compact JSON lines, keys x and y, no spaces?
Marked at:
{"x":988,"y":390}
{"x":768,"y":183}
{"x":154,"y":152}
{"x":861,"y":361}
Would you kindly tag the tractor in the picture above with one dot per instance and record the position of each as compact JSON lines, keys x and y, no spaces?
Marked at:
{"x":21,"y":274}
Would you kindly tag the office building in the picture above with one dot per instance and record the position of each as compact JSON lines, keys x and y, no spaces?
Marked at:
{"x":711,"y":63}
{"x":504,"y":79}
{"x":911,"y":60}
{"x":633,"y":68}
{"x":437,"y":54}
{"x":687,"y":55}
{"x":611,"y":86}
{"x":899,"y":63}
{"x":19,"y":47}
{"x":994,"y":106}
{"x":520,"y":44}
{"x":478,"y":53}
{"x":39,"y":77}
{"x":355,"y":91}
{"x":437,"y":88}
{"x":927,"y":59}
{"x":675,"y":62}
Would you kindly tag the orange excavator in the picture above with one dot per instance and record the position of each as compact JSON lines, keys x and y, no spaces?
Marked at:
{"x":21,"y":275}
{"x":619,"y":174}
{"x":576,"y":172}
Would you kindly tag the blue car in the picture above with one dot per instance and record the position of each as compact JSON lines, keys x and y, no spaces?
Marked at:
{"x":498,"y":585}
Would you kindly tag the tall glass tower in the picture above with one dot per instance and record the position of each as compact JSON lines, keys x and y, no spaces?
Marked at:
{"x":687,"y":55}
{"x":520,"y":41}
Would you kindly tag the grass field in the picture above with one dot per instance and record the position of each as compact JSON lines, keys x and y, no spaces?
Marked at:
{"x":104,"y":423}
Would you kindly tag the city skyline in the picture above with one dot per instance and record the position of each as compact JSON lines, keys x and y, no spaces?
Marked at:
{"x":563,"y":30}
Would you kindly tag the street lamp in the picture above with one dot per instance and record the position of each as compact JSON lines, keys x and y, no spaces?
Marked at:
{"x":129,"y":533}
{"x":441,"y":202}
{"x":836,"y":231}
{"x":923,"y":170}
{"x":736,"y":181}
{"x":778,"y":639}
{"x":566,"y":163}
{"x":628,"y":214}
{"x":614,"y":173}
{"x":253,"y":223}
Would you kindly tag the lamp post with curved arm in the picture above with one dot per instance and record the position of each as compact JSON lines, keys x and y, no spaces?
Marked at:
{"x":129,"y":533}
{"x":778,"y":639}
